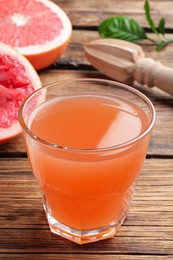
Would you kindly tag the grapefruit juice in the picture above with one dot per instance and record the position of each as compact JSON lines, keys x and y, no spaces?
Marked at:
{"x":87,"y":191}
{"x":86,"y":140}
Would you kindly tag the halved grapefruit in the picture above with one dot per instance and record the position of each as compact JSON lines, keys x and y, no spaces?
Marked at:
{"x":18,"y":79}
{"x":38,"y":29}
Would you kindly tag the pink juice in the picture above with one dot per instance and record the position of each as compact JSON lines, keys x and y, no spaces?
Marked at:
{"x":92,"y":189}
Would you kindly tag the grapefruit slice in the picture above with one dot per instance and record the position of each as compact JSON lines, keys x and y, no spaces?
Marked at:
{"x":18,"y":79}
{"x":38,"y":29}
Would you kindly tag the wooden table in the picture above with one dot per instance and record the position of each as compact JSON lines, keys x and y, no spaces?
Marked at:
{"x":148,"y":231}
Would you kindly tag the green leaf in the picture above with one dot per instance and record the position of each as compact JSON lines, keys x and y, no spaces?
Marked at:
{"x":148,"y":17}
{"x":161,"y":27}
{"x":162,"y":44}
{"x":123,"y":28}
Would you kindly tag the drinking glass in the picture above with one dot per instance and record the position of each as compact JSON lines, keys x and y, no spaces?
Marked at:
{"x":87,"y":178}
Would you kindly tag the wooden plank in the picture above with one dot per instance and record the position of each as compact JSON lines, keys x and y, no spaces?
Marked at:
{"x":162,"y":138}
{"x":43,"y":241}
{"x":82,"y":257}
{"x":28,"y":213}
{"x":155,"y":181}
{"x":88,"y":13}
{"x":147,"y":230}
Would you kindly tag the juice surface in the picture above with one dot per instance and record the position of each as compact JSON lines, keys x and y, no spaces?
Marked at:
{"x":90,"y":193}
{"x":88,"y":122}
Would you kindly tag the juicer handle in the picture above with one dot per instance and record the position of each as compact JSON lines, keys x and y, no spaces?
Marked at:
{"x":152,"y":73}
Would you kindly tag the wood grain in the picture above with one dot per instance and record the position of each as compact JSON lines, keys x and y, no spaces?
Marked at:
{"x":88,"y":13}
{"x":31,"y":256}
{"x":148,"y":228}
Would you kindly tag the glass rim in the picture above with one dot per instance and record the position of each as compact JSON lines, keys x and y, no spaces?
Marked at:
{"x":99,"y":80}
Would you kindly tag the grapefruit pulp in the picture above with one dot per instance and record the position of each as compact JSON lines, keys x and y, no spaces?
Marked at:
{"x":18,"y":79}
{"x":38,"y":29}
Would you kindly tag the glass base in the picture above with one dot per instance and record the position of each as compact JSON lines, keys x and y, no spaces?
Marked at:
{"x":84,"y":236}
{"x":90,"y":235}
